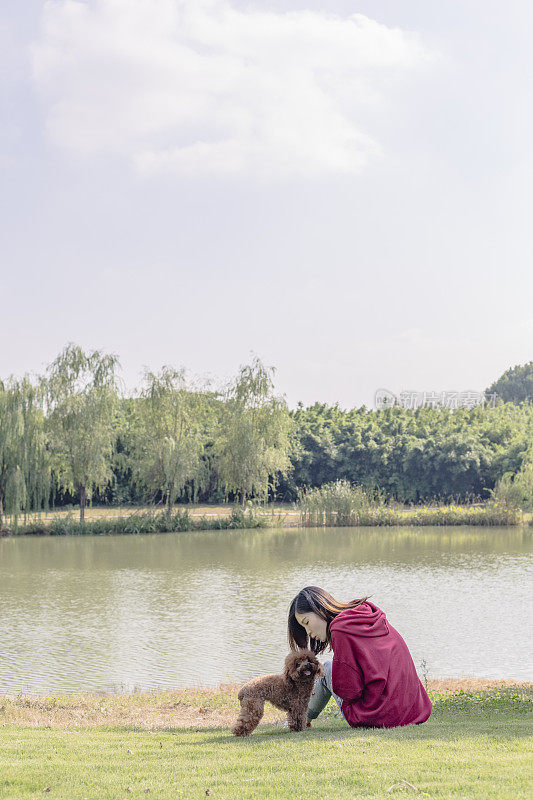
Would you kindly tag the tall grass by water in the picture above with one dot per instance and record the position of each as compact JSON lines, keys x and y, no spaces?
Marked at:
{"x":147,"y":522}
{"x":334,"y":504}
{"x":341,"y":503}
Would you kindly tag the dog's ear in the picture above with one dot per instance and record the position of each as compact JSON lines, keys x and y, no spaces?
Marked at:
{"x":291,"y":662}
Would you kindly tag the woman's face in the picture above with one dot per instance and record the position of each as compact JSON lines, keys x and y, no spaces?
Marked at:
{"x":314,"y":626}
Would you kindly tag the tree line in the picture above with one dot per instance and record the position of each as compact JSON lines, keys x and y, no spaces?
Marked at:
{"x":71,"y":435}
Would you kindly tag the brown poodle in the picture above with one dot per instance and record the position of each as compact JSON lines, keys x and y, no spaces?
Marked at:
{"x":290,"y":692}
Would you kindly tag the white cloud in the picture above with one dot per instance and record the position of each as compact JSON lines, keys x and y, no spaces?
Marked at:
{"x":201,"y":86}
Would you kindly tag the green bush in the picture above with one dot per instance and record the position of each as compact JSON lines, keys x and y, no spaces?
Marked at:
{"x":516,"y":491}
{"x":148,"y":522}
{"x":341,"y":503}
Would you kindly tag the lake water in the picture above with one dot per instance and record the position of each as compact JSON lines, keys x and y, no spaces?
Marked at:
{"x":191,"y":609}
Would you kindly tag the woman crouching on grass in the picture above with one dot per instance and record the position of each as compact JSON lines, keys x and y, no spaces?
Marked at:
{"x":372,"y":677}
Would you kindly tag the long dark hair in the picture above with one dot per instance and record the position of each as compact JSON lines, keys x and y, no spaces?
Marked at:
{"x":316,"y":600}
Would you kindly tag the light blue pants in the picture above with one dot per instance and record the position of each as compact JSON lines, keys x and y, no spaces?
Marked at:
{"x":322,"y":692}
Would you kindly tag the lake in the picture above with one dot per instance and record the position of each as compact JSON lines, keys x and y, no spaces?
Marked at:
{"x":199,"y":609}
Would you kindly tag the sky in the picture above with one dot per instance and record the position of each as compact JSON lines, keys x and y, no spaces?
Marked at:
{"x":342,"y":189}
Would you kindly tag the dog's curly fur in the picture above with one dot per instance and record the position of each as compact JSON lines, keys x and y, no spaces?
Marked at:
{"x":289,"y":691}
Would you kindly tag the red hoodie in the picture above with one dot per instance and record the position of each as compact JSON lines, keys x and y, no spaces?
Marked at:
{"x":373,"y":671}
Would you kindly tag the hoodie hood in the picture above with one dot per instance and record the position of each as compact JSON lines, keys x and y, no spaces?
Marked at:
{"x":365,"y":619}
{"x":373,"y":671}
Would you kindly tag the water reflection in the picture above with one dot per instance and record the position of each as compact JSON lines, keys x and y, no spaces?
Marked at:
{"x":100,"y":613}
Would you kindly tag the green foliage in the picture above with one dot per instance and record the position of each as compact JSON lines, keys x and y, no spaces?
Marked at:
{"x":168,"y":434}
{"x":491,"y":514}
{"x":512,"y":699}
{"x":147,"y":522}
{"x":516,"y":490}
{"x":515,"y":385}
{"x":24,"y":463}
{"x":340,"y":503}
{"x":254,"y":439}
{"x":174,"y":440}
{"x":337,"y":503}
{"x":82,"y":401}
{"x":427,"y":455}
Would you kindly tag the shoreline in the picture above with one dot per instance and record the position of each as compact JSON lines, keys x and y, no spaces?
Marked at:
{"x":183,"y":708}
{"x":184,"y":522}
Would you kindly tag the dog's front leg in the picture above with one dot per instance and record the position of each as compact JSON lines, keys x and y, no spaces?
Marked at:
{"x":297,"y":719}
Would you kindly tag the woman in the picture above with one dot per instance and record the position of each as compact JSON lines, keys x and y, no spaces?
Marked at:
{"x":372,"y":677}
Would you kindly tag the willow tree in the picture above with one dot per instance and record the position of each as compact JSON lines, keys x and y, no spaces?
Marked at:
{"x":255,"y":438}
{"x":82,"y":401}
{"x":168,"y":434}
{"x":24,"y":463}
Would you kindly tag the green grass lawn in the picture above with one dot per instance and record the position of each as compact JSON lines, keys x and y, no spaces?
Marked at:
{"x":474,"y":746}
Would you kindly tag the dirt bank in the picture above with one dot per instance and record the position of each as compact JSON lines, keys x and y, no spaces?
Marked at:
{"x":171,"y":709}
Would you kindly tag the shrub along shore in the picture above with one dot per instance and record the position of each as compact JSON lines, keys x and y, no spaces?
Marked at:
{"x":234,"y":518}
